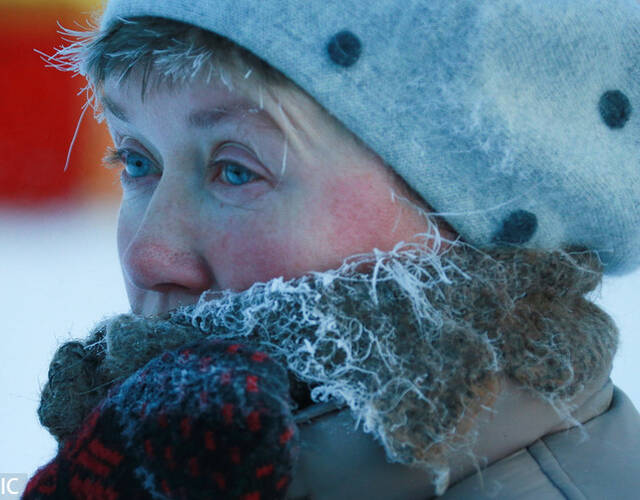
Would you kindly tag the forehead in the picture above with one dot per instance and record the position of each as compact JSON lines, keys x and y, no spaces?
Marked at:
{"x":207,"y":102}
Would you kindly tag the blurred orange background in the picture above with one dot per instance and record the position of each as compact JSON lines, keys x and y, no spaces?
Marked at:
{"x":40,"y":111}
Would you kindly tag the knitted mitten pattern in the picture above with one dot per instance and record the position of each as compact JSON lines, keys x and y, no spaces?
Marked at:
{"x":209,"y":420}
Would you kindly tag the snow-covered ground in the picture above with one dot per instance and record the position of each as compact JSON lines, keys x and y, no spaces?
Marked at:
{"x":60,"y":275}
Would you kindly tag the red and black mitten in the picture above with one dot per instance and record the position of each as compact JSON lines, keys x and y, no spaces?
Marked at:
{"x":210,"y":420}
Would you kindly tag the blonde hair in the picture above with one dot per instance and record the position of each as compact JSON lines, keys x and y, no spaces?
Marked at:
{"x":166,"y":52}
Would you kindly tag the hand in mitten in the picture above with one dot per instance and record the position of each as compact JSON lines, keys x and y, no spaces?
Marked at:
{"x":210,"y":420}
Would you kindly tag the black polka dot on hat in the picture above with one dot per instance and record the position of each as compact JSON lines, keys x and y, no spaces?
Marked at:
{"x":517,"y":228}
{"x":614,"y":108}
{"x":344,"y":48}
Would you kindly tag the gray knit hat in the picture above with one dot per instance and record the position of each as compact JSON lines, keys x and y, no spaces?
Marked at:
{"x":517,"y":120}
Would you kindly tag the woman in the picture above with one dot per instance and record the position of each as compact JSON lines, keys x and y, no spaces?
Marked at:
{"x":392,"y":224}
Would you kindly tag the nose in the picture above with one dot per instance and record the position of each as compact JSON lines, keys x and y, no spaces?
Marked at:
{"x":162,"y":254}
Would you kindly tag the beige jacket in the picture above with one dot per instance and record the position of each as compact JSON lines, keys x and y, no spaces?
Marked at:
{"x":531,"y":452}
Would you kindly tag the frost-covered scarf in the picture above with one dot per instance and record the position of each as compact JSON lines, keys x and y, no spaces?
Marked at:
{"x":412,"y":341}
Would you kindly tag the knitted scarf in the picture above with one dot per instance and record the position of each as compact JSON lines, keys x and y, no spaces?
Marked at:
{"x":412,"y":341}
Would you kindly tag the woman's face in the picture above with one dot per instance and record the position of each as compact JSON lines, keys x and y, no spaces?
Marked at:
{"x":219,"y":193}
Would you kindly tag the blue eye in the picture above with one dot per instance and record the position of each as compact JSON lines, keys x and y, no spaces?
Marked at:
{"x":237,"y":175}
{"x":137,"y":165}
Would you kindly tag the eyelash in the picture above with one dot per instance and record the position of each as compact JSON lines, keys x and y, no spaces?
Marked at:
{"x":112,"y":158}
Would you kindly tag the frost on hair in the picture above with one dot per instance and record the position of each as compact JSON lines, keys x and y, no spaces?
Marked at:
{"x":166,"y":52}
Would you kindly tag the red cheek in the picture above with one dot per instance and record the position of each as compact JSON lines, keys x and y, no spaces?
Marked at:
{"x":361,"y":215}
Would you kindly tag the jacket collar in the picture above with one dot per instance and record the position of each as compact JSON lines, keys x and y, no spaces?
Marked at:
{"x":338,"y":461}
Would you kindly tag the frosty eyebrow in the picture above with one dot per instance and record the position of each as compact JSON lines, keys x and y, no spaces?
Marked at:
{"x":205,"y":118}
{"x":209,"y":118}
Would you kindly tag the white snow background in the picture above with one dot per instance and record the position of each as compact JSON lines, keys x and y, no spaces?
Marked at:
{"x":60,"y":275}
